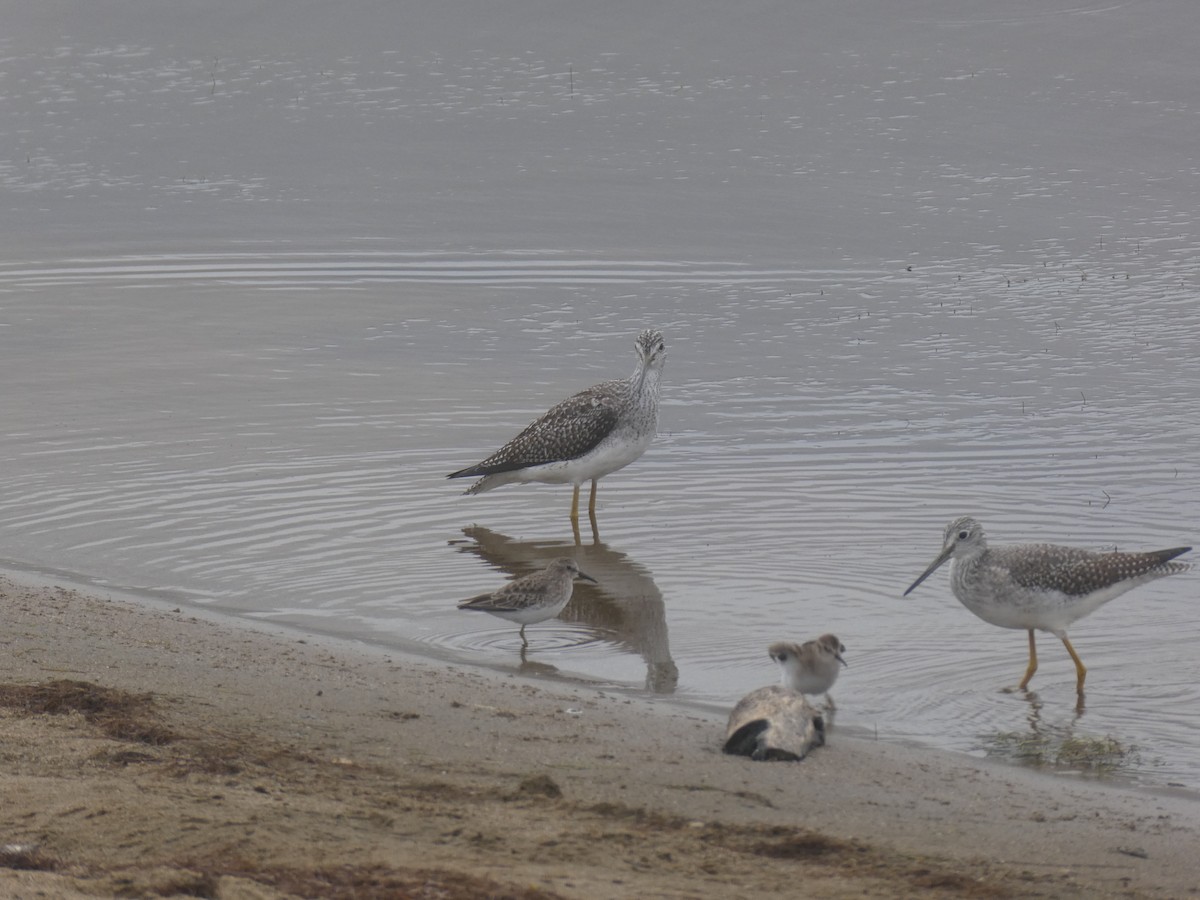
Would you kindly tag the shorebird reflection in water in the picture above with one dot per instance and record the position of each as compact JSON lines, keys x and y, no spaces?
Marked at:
{"x":534,"y":598}
{"x":586,"y":436}
{"x":625,"y":611}
{"x":811,"y":667}
{"x":1041,"y":587}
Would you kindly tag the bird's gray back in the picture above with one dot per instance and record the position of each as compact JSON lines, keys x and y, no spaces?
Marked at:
{"x":568,"y":430}
{"x":1074,"y":571}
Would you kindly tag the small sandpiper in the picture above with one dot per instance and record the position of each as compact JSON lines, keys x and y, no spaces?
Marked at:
{"x":1041,"y":586}
{"x":811,"y":667}
{"x":586,"y":436}
{"x":533,"y":598}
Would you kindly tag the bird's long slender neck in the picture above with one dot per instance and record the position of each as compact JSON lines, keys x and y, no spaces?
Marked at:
{"x":644,"y":380}
{"x":965,"y":568}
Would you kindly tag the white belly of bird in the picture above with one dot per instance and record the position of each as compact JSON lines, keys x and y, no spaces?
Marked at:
{"x":1050,"y":611}
{"x":811,"y":683}
{"x":607,"y":457}
{"x":531,"y":615}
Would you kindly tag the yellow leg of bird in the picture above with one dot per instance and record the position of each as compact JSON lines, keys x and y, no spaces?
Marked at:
{"x":1080,"y":668}
{"x":1032,"y":662}
{"x":592,"y":501}
{"x":575,"y":505}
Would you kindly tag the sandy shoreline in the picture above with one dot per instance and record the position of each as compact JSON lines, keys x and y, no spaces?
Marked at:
{"x":157,"y":753}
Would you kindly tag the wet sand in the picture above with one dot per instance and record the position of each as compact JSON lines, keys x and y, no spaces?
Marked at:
{"x":151,"y":752}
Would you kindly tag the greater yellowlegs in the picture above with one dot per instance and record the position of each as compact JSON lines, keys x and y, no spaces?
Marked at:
{"x":773,"y":723}
{"x":587,"y":436}
{"x":811,"y":667}
{"x":1041,"y":586}
{"x":533,"y":598}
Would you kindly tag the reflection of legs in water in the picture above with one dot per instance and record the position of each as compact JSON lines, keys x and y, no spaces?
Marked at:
{"x":533,"y":667}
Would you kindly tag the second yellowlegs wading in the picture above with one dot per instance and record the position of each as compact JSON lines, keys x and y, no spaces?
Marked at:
{"x":533,"y":598}
{"x":811,"y":667}
{"x":586,"y":436}
{"x":1041,"y":587}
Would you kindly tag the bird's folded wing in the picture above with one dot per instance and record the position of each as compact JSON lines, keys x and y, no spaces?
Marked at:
{"x":569,"y":430}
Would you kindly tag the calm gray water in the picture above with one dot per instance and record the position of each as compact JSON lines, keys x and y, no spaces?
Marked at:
{"x":256,"y":305}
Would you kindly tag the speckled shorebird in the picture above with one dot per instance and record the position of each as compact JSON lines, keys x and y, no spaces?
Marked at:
{"x":533,"y":598}
{"x":587,"y":436}
{"x":811,"y":667}
{"x":1041,"y":586}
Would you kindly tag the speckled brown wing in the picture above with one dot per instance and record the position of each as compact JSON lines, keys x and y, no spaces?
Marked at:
{"x":1076,"y":572}
{"x":568,"y":430}
{"x":514,"y":596}
{"x":519,"y":596}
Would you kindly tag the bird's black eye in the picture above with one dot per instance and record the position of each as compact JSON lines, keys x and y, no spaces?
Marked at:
{"x":963,"y":535}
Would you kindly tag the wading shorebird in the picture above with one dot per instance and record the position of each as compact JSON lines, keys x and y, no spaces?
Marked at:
{"x":1041,"y":587}
{"x":533,"y":598}
{"x":585,"y":437}
{"x":811,"y":667}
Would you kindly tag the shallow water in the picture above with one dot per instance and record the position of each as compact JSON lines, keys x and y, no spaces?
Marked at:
{"x":815,"y":438}
{"x":210,"y":398}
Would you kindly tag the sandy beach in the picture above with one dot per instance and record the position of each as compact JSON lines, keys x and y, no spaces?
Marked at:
{"x":154,"y":752}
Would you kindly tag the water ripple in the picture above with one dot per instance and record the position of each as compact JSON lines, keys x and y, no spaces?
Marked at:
{"x":283,"y":456}
{"x":298,"y":270}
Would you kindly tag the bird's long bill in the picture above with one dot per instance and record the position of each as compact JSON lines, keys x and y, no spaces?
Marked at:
{"x":941,"y":558}
{"x":587,"y":577}
{"x":838,"y":657}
